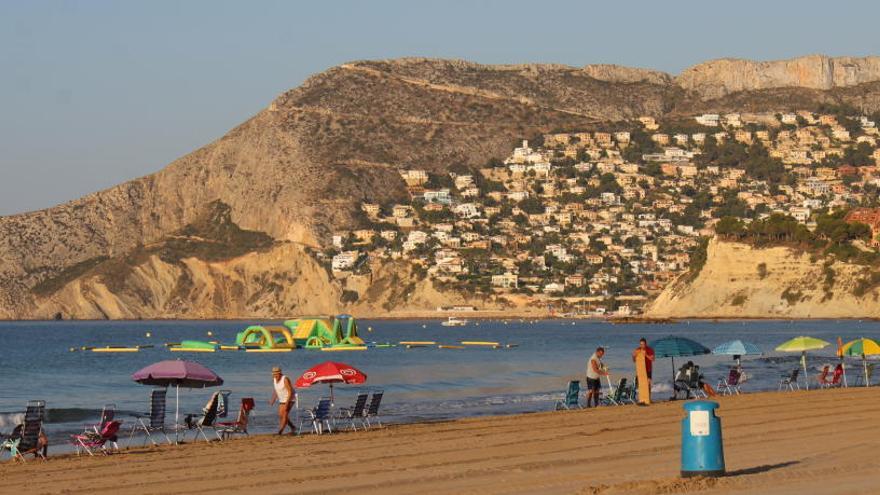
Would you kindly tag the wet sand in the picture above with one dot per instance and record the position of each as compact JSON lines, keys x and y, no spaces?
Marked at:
{"x":813,"y":442}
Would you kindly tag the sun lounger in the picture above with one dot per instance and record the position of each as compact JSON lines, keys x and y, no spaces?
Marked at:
{"x":572,"y":395}
{"x":730,"y":385}
{"x":355,"y":412}
{"x":88,"y":440}
{"x":156,"y":418}
{"x":790,"y":380}
{"x":372,"y":411}
{"x":28,"y":438}
{"x":319,"y":417}
{"x":240,"y":425}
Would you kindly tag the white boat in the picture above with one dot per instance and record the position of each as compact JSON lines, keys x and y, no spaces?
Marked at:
{"x":452,"y":321}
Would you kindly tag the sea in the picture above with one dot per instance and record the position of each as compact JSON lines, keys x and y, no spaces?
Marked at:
{"x":42,"y":360}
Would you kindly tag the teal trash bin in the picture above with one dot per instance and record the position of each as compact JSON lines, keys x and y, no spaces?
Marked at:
{"x":702,"y":449}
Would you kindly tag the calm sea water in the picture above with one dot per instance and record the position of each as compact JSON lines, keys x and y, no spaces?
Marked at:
{"x":420,"y":384}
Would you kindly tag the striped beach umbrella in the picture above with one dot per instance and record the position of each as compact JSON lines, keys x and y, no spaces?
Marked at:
{"x":862,"y":348}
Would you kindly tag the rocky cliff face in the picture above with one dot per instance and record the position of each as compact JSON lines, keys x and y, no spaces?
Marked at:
{"x":721,"y":77}
{"x":739,"y":281}
{"x":299,"y":169}
{"x":621,"y":74}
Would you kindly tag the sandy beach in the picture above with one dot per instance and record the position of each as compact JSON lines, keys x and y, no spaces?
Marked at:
{"x":821,"y":441}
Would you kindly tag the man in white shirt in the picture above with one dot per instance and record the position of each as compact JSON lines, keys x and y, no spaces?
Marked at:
{"x":283,"y":393}
{"x":595,"y":371}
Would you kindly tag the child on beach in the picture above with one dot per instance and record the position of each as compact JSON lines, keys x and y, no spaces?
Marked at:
{"x":282,"y":392}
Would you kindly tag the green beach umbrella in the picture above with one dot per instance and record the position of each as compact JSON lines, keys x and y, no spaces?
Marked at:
{"x":862,"y":348}
{"x":803,"y":344}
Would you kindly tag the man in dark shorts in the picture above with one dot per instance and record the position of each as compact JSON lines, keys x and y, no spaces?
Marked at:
{"x":595,"y":371}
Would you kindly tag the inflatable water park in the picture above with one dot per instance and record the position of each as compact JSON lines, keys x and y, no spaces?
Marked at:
{"x":322,"y":333}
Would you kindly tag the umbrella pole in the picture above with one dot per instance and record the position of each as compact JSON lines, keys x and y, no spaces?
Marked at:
{"x":673,"y":377}
{"x":804,"y":362}
{"x":176,"y":414}
{"x":865,"y":365}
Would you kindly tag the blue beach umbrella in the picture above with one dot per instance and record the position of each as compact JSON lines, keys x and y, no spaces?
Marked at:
{"x":737,"y":348}
{"x":673,"y":347}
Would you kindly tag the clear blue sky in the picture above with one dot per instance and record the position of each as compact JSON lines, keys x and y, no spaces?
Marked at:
{"x":95,"y":93}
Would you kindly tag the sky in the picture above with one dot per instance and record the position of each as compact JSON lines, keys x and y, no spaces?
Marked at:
{"x":96,"y":93}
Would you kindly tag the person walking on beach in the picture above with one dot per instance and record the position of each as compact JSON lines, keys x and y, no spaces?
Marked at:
{"x":645,"y":351}
{"x":283,"y":393}
{"x":595,"y":371}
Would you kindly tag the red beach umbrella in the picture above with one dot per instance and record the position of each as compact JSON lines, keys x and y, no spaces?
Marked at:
{"x":330,"y":372}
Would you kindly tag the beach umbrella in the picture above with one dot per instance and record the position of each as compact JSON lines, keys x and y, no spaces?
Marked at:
{"x":179,"y":374}
{"x":803,"y":344}
{"x":673,"y":347}
{"x":862,"y":348}
{"x":737,"y":348}
{"x":330,"y":372}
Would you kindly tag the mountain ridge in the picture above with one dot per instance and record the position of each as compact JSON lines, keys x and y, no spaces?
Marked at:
{"x":299,"y":168}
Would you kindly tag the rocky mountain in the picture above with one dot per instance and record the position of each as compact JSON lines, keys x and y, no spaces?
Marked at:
{"x":298,"y":170}
{"x":721,"y":77}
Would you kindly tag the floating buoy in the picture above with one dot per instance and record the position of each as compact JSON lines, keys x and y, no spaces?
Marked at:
{"x":417,"y":342}
{"x":450,"y":347}
{"x":190,"y":349}
{"x":210,"y":333}
{"x":413,"y":346}
{"x":115,"y":349}
{"x":73,"y":349}
{"x":268,"y":350}
{"x":424,"y":326}
{"x":369,"y":329}
{"x":230,"y":348}
{"x":347,"y":348}
{"x":149,"y":335}
{"x":472,"y":342}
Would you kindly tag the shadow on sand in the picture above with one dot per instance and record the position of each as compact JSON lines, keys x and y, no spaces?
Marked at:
{"x":761,"y":469}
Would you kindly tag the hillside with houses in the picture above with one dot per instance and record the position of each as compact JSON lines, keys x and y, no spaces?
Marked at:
{"x":600,"y":223}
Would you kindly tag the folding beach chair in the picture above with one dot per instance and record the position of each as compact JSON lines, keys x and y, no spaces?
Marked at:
{"x":822,"y":377}
{"x":695,"y":386}
{"x":836,"y":378}
{"x":372,"y":410}
{"x":790,"y":380}
{"x":26,"y":438}
{"x":88,"y":440}
{"x":617,"y":395}
{"x":209,"y":417}
{"x":869,"y":371}
{"x":730,"y":385}
{"x":319,"y":417}
{"x":355,"y":412}
{"x":572,"y":394}
{"x":240,"y":425}
{"x":156,"y":418}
